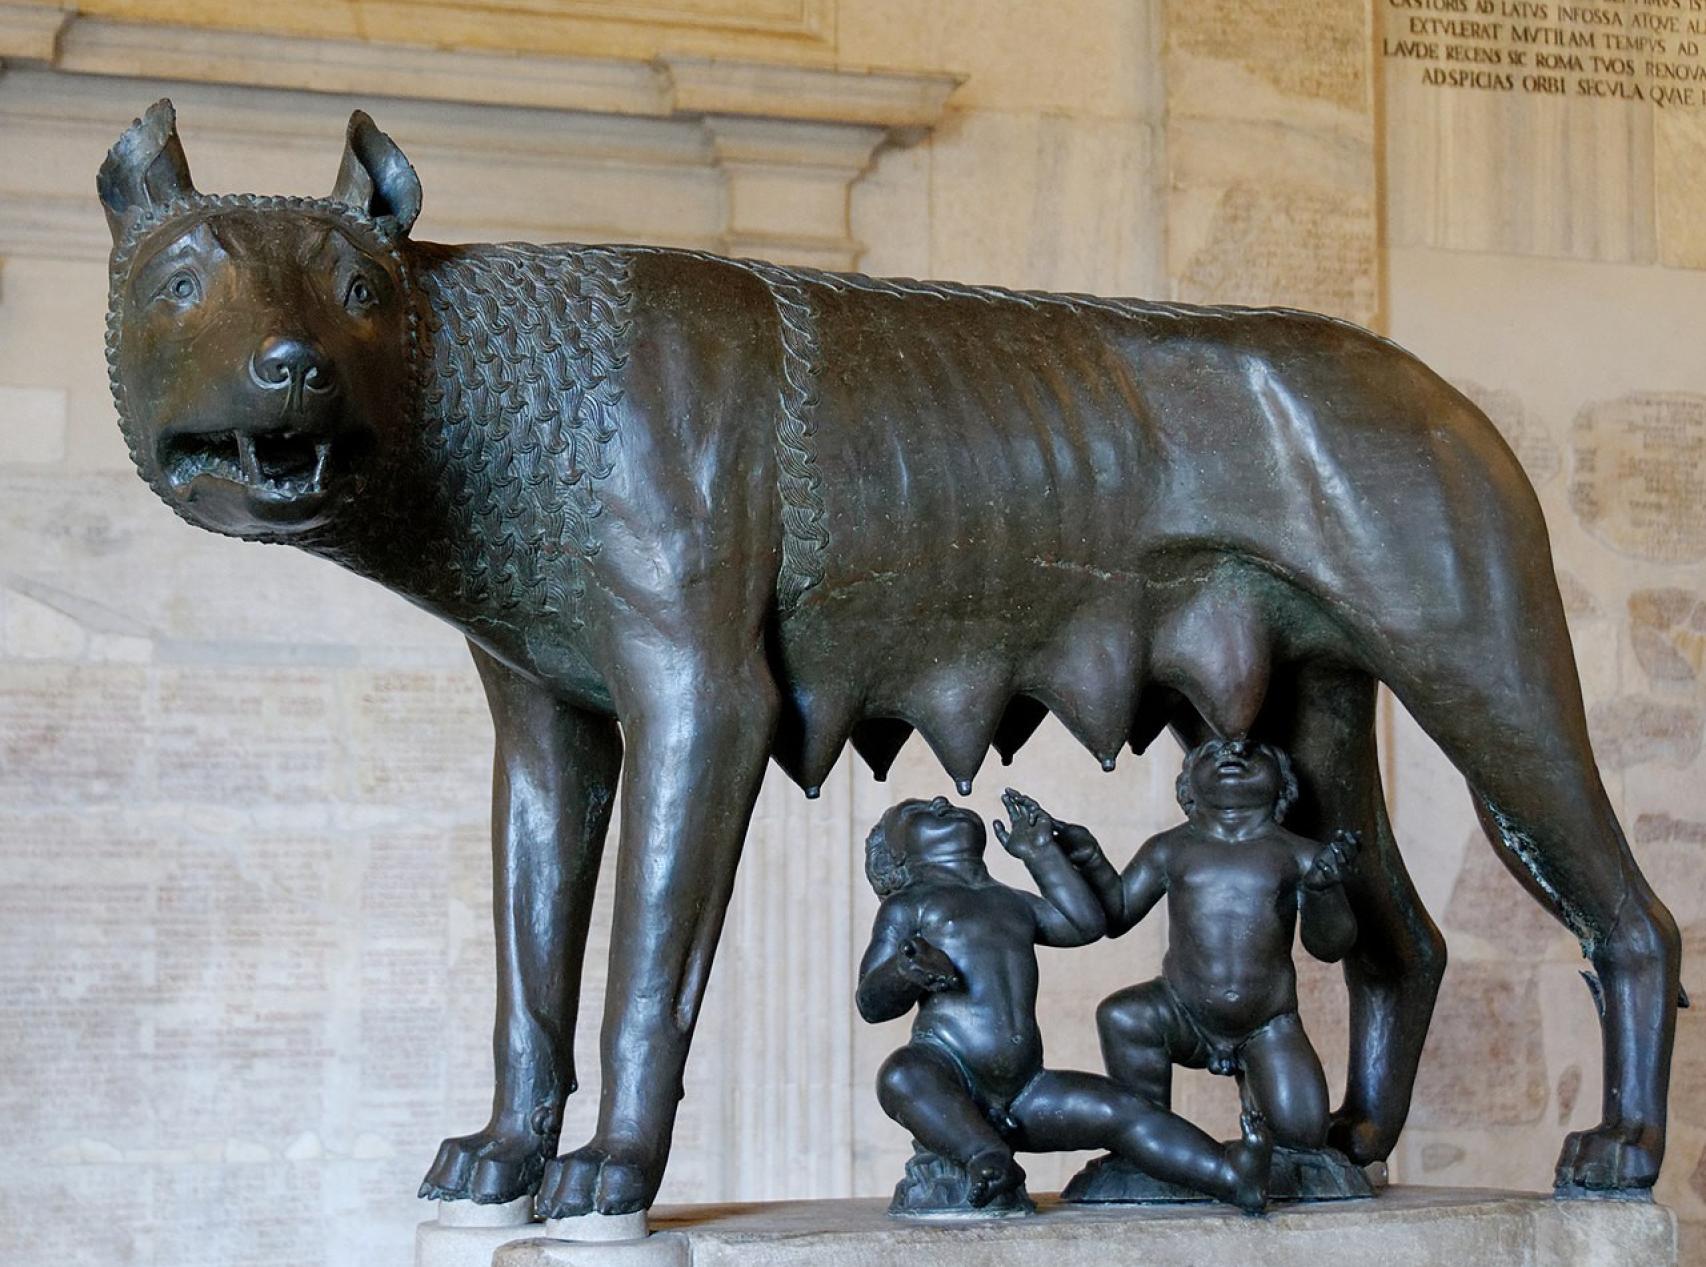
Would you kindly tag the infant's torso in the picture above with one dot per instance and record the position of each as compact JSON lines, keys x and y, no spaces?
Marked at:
{"x":989,"y":933}
{"x":1232,"y":915}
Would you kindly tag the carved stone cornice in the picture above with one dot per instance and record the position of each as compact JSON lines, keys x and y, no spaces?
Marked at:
{"x":31,"y":32}
{"x":787,"y":187}
{"x":784,"y":142}
{"x":668,"y":85}
{"x":898,"y":100}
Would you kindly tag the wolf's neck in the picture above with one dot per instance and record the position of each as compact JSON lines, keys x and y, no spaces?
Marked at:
{"x":486,"y":508}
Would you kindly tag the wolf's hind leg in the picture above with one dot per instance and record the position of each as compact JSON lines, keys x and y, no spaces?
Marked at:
{"x":1511,"y":721}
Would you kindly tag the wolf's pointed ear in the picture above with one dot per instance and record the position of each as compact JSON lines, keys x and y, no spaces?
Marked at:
{"x":374,"y":177}
{"x":146,"y":168}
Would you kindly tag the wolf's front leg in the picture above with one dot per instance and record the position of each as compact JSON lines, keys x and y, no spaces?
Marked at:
{"x":698,"y":740}
{"x":553,"y":782}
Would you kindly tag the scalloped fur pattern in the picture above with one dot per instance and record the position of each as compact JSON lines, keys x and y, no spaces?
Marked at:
{"x":518,"y":388}
{"x":805,"y":540}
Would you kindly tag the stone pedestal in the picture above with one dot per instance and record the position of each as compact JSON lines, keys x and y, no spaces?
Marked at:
{"x":1403,"y":1227}
{"x":462,"y":1234}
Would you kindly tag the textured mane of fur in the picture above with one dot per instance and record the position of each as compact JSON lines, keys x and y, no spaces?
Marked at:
{"x":519,"y":367}
{"x":518,"y":381}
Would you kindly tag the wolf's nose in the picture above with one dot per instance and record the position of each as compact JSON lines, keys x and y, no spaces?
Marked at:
{"x":289,"y":363}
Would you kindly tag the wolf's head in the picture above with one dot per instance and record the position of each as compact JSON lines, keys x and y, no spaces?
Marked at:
{"x":259,"y":347}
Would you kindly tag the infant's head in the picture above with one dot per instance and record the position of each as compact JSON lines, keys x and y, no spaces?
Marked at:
{"x":919,"y":831}
{"x":1236,"y":774}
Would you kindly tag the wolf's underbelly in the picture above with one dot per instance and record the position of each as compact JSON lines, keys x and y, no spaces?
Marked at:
{"x":958,"y":441}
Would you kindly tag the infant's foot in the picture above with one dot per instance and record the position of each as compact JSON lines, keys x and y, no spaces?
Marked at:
{"x":991,"y":1174}
{"x":1250,"y":1160}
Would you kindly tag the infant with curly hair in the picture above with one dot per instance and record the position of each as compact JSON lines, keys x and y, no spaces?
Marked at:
{"x":1237,"y":884}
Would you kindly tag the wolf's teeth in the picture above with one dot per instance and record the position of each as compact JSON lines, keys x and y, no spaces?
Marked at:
{"x":246,"y":457}
{"x":322,"y":451}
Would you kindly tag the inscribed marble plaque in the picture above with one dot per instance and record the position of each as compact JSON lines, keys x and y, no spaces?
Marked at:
{"x":1318,"y":51}
{"x":1597,"y":50}
{"x":1639,"y":479}
{"x":1668,"y":630}
{"x":1301,"y":246}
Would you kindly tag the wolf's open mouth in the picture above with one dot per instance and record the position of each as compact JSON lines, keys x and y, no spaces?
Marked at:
{"x":280,"y":464}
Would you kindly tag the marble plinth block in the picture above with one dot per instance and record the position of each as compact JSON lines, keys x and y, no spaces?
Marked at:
{"x":1403,"y":1227}
{"x":467,"y":1235}
{"x":463,"y":1234}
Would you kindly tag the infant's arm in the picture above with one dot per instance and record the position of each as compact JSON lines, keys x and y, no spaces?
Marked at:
{"x":885,"y":991}
{"x":1141,"y":885}
{"x":1329,"y":925}
{"x":1068,"y":912}
{"x":1087,"y":858}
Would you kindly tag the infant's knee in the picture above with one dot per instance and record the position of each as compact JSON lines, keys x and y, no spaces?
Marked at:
{"x":1130,"y":1016}
{"x":1296,"y":1110}
{"x":1300,"y":1129}
{"x":900,"y":1079}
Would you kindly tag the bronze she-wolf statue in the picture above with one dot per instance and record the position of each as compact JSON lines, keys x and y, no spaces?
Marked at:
{"x":694,"y":514}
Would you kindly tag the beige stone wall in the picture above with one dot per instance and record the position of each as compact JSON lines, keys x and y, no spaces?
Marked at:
{"x":244,"y":949}
{"x":1537,"y":259}
{"x":1603,"y":416}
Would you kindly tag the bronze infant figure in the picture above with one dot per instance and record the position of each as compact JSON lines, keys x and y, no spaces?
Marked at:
{"x":695,"y":514}
{"x":1239,"y":886}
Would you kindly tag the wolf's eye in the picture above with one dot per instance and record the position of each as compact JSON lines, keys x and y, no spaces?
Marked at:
{"x":359,"y":296}
{"x":182,"y":287}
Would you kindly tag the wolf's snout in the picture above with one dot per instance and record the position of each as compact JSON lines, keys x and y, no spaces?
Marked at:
{"x":278,"y":463}
{"x":292,"y":366}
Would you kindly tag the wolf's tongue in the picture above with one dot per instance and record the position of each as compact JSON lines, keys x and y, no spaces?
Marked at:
{"x":246,"y":456}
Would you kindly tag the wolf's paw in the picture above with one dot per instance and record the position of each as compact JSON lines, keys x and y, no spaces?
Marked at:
{"x":488,"y":1167}
{"x":598,"y":1179}
{"x":1357,"y":1137}
{"x":1610,"y":1159}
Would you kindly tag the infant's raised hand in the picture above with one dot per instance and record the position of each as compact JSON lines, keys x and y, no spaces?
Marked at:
{"x":1334,"y":860}
{"x":1032,"y":827}
{"x":927,"y":967}
{"x":1078,"y":844}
